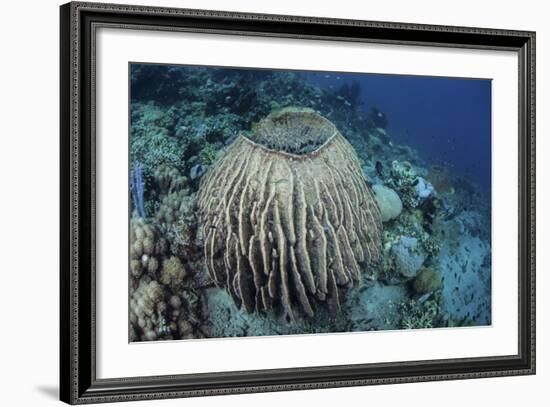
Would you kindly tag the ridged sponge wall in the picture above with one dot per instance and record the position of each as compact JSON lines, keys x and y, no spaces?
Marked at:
{"x":289,"y":227}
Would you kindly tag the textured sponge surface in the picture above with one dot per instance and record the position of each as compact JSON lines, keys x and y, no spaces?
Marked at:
{"x":294,"y":130}
{"x":289,"y":230}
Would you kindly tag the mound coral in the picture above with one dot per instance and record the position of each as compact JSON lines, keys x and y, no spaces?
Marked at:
{"x":173,"y":207}
{"x":157,"y":314}
{"x":146,"y":311}
{"x":146,"y":247}
{"x":169,"y":179}
{"x":388,"y":201}
{"x":408,"y":256}
{"x":287,"y":216}
{"x":427,"y":280}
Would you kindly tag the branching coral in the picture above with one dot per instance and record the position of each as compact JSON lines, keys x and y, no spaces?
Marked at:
{"x":288,"y":218}
{"x":152,"y":138}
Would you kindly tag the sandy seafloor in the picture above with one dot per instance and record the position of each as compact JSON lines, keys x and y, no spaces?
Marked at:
{"x":435,"y":269}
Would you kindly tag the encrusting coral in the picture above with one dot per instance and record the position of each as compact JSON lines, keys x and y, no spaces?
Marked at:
{"x":287,"y":216}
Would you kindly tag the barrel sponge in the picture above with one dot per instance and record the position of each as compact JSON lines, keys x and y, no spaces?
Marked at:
{"x":287,"y":217}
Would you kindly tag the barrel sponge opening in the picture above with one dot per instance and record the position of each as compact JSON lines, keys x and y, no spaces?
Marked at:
{"x":285,"y":227}
{"x":293,"y":130}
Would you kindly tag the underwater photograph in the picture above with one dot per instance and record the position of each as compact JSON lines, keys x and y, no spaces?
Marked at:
{"x":278,"y":202}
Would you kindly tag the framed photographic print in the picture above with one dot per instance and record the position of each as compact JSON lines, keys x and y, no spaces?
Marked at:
{"x":257,"y":202}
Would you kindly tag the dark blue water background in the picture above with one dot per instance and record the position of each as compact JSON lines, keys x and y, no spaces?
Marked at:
{"x":447,"y":120}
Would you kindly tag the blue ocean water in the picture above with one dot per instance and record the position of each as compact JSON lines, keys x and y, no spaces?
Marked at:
{"x":448,"y":120}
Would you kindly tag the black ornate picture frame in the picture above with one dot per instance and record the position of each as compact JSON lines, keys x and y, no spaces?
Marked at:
{"x":78,"y":381}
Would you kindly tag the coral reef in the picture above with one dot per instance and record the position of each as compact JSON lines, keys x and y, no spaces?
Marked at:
{"x":169,"y":179}
{"x":188,"y":125}
{"x":173,"y":206}
{"x":157,"y":313}
{"x":146,"y":311}
{"x":289,"y":226}
{"x":173,"y":272}
{"x":208,"y":154}
{"x":417,"y":314}
{"x":405,"y":181}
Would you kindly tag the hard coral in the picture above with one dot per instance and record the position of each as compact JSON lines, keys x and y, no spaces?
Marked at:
{"x":419,"y":315}
{"x":427,"y":280}
{"x":169,"y":179}
{"x":156,"y":313}
{"x":146,"y":310}
{"x":288,"y":218}
{"x":408,"y":257}
{"x":404,"y":180}
{"x":146,"y":247}
{"x":173,"y":207}
{"x":388,"y":201}
{"x":173,"y":272}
